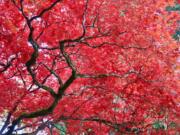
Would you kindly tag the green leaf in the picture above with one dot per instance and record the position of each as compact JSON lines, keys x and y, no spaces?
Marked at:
{"x":173,"y":8}
{"x":61,"y":128}
{"x":172,"y":125}
{"x":176,"y":36}
{"x":158,"y":125}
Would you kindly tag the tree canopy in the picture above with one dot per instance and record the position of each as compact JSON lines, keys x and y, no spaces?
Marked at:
{"x":89,"y":67}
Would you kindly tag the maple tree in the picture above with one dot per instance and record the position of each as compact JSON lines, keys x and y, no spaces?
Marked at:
{"x":88,"y":67}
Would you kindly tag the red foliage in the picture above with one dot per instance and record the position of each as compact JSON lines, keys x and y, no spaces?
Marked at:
{"x":97,"y":66}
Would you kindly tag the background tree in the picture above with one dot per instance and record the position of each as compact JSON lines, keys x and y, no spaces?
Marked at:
{"x":88,"y":67}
